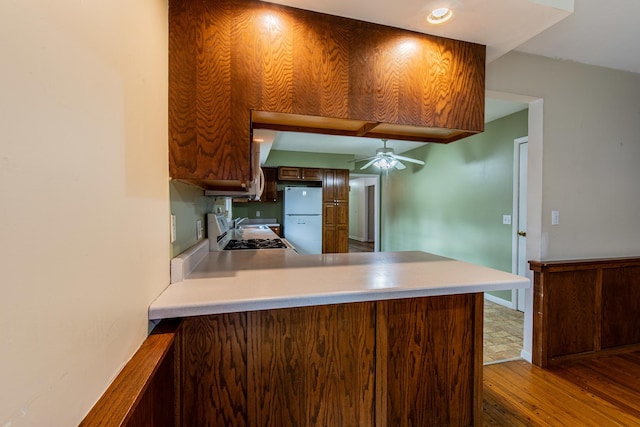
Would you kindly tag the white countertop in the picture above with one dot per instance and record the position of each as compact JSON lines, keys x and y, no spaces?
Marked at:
{"x":247,"y":280}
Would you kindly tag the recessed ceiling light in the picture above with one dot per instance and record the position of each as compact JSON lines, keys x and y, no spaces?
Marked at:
{"x":439,"y":15}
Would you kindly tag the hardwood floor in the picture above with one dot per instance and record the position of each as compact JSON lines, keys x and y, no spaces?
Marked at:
{"x":599,"y":392}
{"x":358,"y":246}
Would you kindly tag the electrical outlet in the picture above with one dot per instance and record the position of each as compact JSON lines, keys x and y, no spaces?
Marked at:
{"x":173,"y":228}
{"x":258,"y":214}
{"x":506,"y":219}
{"x":198,"y":229}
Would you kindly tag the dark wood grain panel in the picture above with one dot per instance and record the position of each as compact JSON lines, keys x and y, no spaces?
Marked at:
{"x":335,"y":211}
{"x":320,"y":64}
{"x":314,"y":366}
{"x":202,"y":141}
{"x":228,"y":57}
{"x":457,"y":85}
{"x":430,"y":360}
{"x":183,"y":144}
{"x":585,"y":308}
{"x":214,"y":370}
{"x":571,"y":312}
{"x":620,"y":307}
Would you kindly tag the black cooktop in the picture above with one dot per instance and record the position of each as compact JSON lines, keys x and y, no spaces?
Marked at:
{"x":254,"y":244}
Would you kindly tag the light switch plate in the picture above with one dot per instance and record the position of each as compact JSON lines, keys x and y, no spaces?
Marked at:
{"x":506,"y":219}
{"x":173,"y":228}
{"x":198,"y":229}
{"x":555,"y":217}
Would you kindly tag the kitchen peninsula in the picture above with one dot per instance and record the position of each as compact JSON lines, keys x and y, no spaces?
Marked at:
{"x":270,"y":337}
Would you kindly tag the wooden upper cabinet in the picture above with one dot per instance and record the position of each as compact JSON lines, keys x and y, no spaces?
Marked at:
{"x":335,"y":211}
{"x":289,"y":173}
{"x":286,"y":173}
{"x":335,"y":186}
{"x":229,"y":58}
{"x":270,"y":193}
{"x":311,"y":174}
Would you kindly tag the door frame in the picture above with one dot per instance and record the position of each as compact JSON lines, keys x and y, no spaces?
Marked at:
{"x":516,"y":294}
{"x":535,"y":246}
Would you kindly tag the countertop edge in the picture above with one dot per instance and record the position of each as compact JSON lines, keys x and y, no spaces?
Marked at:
{"x":208,"y":308}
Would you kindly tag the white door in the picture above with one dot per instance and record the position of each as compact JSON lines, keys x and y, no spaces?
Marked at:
{"x":522,"y":147}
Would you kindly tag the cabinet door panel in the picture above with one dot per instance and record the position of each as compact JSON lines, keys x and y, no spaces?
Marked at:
{"x":429,"y":352}
{"x":313,"y":366}
{"x":341,"y":184}
{"x":329,"y":240}
{"x":341,"y":215}
{"x":288,"y":173}
{"x":312,"y":174}
{"x":328,"y":214}
{"x":270,"y":193}
{"x":213,"y":354}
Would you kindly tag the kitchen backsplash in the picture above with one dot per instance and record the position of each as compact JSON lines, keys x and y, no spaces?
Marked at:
{"x":189,"y":205}
{"x":259,"y":210}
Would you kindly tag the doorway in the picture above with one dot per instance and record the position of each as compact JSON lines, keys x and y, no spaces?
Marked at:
{"x":364,"y":213}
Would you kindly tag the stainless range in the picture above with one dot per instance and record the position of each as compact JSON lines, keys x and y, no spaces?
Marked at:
{"x":255,"y":244}
{"x":223,"y":237}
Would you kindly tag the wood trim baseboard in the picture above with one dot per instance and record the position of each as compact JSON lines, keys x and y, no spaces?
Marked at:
{"x":144,"y":389}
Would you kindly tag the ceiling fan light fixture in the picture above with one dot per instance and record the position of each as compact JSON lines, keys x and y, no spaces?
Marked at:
{"x":385,"y":163}
{"x":439,"y":15}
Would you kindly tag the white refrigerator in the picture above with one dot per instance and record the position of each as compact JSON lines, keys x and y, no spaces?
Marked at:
{"x":303,"y":218}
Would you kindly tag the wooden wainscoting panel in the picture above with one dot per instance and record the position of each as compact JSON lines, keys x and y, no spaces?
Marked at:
{"x":585,"y":308}
{"x":570,"y":299}
{"x":214,"y":370}
{"x":620,"y":307}
{"x":313,"y":366}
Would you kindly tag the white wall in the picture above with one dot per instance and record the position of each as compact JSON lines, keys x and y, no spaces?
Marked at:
{"x":84,"y":200}
{"x":591,"y":152}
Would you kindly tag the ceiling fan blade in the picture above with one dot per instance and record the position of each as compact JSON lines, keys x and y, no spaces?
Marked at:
{"x":409,"y":159}
{"x":398,"y":165}
{"x":369,"y":164}
{"x":360,"y":160}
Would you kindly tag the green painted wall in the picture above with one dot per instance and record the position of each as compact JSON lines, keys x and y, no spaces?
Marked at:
{"x":453,"y":205}
{"x":267,"y":210}
{"x":189,"y":205}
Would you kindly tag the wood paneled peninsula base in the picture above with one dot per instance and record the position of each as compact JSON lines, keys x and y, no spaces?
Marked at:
{"x":415,"y":361}
{"x":369,"y":339}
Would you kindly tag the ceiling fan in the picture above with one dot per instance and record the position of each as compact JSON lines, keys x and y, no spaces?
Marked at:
{"x":386,"y":159}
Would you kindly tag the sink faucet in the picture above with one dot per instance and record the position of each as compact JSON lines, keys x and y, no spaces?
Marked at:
{"x":237,"y":221}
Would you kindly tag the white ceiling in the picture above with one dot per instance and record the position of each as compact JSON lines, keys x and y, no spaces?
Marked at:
{"x":604,"y":33}
{"x":597,"y":32}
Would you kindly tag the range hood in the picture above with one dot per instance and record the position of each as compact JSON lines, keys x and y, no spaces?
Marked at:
{"x":236,"y":189}
{"x":239,"y":189}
